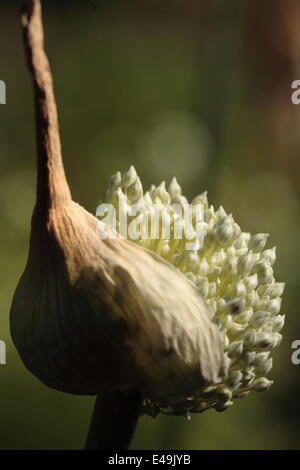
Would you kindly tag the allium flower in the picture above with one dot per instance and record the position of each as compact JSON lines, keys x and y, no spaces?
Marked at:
{"x":233,"y":273}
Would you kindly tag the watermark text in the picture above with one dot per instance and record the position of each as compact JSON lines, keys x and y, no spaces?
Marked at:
{"x":2,"y":353}
{"x":2,"y":92}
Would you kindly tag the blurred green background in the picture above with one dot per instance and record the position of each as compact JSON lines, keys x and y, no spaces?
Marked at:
{"x":199,"y":89}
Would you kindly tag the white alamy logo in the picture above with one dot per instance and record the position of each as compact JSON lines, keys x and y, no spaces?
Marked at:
{"x":2,"y":92}
{"x":2,"y":353}
{"x":138,"y":223}
{"x":296,"y":354}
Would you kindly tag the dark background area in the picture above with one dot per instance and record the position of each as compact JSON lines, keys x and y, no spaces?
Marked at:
{"x":198,"y":89}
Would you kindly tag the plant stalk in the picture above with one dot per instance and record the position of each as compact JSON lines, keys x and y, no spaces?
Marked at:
{"x":52,"y":186}
{"x":114,"y":421}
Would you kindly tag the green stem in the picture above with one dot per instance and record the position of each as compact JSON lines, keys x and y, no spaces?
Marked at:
{"x":114,"y":421}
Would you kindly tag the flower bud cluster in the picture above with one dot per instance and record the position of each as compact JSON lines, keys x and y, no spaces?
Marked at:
{"x":233,"y":272}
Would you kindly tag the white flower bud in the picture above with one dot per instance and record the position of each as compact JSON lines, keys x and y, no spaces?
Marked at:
{"x":115,"y":181}
{"x":220,"y":213}
{"x":252,"y":298}
{"x":129,"y":177}
{"x":239,"y":290}
{"x":251,"y":282}
{"x":272,"y":290}
{"x":229,"y":268}
{"x":277,"y":339}
{"x":245,"y":263}
{"x":222,"y":304}
{"x":248,"y":377}
{"x":261,"y":359}
{"x":247,"y":358}
{"x":274,"y":306}
{"x":224,"y":230}
{"x":209,"y":214}
{"x":135,"y":190}
{"x":235,"y":349}
{"x":234,"y":378}
{"x":264,"y":368}
{"x":236,"y":329}
{"x":264,"y":272}
{"x":209,"y":226}
{"x":265,"y":341}
{"x":278,"y":323}
{"x":153,"y":193}
{"x":225,"y":339}
{"x":147,"y":198}
{"x":269,"y":255}
{"x":227,"y":322}
{"x":201,"y":199}
{"x":257,"y":242}
{"x":249,"y":339}
{"x":245,"y":316}
{"x":236,"y":231}
{"x":277,"y":289}
{"x":242,"y":241}
{"x":259,"y":318}
{"x":268,"y":328}
{"x":261,"y":384}
{"x":174,"y":188}
{"x":164,"y":195}
{"x":117,"y":196}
